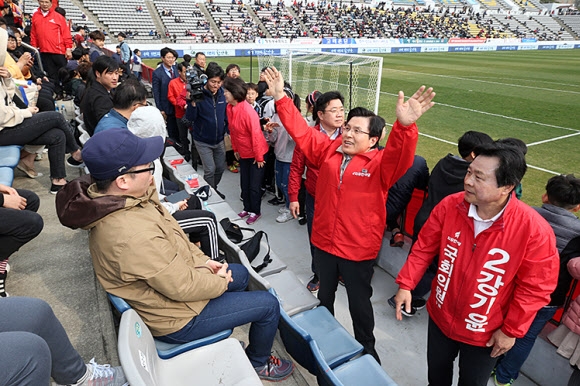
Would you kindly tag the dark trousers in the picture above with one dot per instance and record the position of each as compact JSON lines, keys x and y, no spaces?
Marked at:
{"x":475,"y":363}
{"x":357,"y":277}
{"x":172,"y":128}
{"x":309,"y":206}
{"x":50,"y":129}
{"x":251,"y":177}
{"x":19,"y":226}
{"x":52,"y":63}
{"x":183,"y":130}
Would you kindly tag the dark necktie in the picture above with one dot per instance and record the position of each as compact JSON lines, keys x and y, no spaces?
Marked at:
{"x":171,"y":73}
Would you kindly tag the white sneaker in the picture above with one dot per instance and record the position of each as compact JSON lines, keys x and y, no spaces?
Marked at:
{"x":102,"y":375}
{"x":283,"y":210}
{"x":284,"y":217}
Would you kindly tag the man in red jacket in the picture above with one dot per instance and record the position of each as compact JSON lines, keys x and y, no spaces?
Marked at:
{"x":51,"y":34}
{"x":498,"y":265}
{"x":353,"y":183}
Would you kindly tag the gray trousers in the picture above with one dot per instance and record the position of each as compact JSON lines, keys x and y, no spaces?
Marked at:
{"x":213,"y":158}
{"x":35,"y":346}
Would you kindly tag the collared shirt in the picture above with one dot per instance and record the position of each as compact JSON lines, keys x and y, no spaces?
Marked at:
{"x":479,"y":224}
{"x":168,"y":71}
{"x":333,"y":136}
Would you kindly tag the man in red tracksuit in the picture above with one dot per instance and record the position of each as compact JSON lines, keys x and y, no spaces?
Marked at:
{"x":51,"y":34}
{"x":498,"y":265}
{"x":353,"y":182}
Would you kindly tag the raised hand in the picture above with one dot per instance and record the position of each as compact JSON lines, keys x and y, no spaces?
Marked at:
{"x":410,"y":111}
{"x":275,"y":82}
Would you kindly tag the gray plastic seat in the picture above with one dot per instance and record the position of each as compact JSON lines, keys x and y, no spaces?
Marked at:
{"x":224,"y":362}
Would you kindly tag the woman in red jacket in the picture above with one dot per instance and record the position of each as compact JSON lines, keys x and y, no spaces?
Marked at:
{"x":249,"y":146}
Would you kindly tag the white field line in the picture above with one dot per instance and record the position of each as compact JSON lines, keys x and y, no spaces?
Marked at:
{"x":454,"y":143}
{"x":553,"y":139}
{"x":483,"y":81}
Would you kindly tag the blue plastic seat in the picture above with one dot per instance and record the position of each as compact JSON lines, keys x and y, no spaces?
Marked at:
{"x":168,"y":350}
{"x":336,"y":344}
{"x":364,"y":370}
{"x":9,"y":157}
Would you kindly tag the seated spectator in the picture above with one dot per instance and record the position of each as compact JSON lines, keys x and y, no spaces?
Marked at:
{"x":83,"y":70}
{"x":30,"y":329}
{"x":129,"y":96}
{"x":97,"y":44}
{"x":97,"y":99}
{"x":26,"y":126}
{"x":180,"y":293}
{"x":560,"y":202}
{"x":20,"y":224}
{"x":199,"y":225}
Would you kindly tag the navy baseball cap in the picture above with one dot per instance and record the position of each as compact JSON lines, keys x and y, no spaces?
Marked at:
{"x":113,"y":152}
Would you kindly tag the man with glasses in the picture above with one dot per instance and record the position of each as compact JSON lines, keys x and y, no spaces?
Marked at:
{"x":51,"y":34}
{"x":352,"y":188}
{"x":141,"y":254}
{"x":210,"y":125}
{"x":160,"y":85}
{"x":329,"y":117}
{"x":97,"y":99}
{"x":129,"y":96}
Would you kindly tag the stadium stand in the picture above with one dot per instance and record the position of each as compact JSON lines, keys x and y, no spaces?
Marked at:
{"x":234,"y":22}
{"x":319,"y":21}
{"x":185,"y":21}
{"x":572,"y":22}
{"x":278,"y":21}
{"x":544,"y":27}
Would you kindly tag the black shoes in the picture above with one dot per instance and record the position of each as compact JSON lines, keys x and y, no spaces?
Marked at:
{"x":416,"y":304}
{"x":276,"y":201}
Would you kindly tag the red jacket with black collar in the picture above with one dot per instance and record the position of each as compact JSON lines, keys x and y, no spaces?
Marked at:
{"x":350,"y":215}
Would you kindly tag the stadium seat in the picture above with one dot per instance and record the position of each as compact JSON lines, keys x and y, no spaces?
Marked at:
{"x":168,"y":350}
{"x":224,"y":362}
{"x":337,"y":345}
{"x":364,"y":370}
{"x":9,"y":157}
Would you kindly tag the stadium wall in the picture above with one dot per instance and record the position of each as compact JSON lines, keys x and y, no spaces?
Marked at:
{"x":354,"y":46}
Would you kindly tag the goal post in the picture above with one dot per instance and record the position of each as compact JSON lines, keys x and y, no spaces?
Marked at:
{"x":356,"y":77}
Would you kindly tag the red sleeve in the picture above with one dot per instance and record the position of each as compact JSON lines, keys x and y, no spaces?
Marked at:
{"x":312,"y":142}
{"x":33,"y":40}
{"x":535,"y":280}
{"x":423,"y":251}
{"x":297,"y":167}
{"x":399,"y":153}
{"x":65,"y":31}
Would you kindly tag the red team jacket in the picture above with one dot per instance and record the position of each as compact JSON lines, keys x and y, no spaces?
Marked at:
{"x":350,"y":211}
{"x":50,"y":34}
{"x":499,"y":279}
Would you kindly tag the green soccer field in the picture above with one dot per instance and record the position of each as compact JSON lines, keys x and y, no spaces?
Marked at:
{"x":531,"y":95}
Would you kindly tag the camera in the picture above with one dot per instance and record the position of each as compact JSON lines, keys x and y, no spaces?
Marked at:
{"x":195,"y":85}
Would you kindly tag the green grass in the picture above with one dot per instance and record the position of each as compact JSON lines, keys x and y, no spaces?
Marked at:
{"x":531,"y":95}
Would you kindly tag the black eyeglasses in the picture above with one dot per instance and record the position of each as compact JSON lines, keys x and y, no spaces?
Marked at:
{"x":151,"y":169}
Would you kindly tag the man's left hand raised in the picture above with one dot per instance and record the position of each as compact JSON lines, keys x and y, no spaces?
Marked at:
{"x":501,"y":343}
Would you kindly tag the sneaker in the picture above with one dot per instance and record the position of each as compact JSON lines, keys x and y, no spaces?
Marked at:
{"x":233,"y":169}
{"x":394,"y":305}
{"x":283,"y":210}
{"x":70,"y":161}
{"x":243,"y":214}
{"x":314,"y":284}
{"x":253,"y":218}
{"x":397,"y":240}
{"x":418,"y":304}
{"x":276,"y":201}
{"x":275,"y":369}
{"x":497,"y":383}
{"x":284,"y":217}
{"x":302,"y":221}
{"x":223,"y":196}
{"x":103,"y":375}
{"x":54,"y":189}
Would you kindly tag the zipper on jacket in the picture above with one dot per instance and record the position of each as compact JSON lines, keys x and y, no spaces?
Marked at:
{"x":215,"y":117}
{"x":345,"y":161}
{"x":473,"y":247}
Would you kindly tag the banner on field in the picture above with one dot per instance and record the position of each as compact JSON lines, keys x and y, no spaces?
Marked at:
{"x":272,"y":41}
{"x":306,"y":41}
{"x":422,"y":41}
{"x":546,"y":46}
{"x":338,"y":41}
{"x":505,"y":41}
{"x":507,"y":48}
{"x":378,"y":42}
{"x":466,"y":41}
{"x":342,"y":50}
{"x":399,"y":50}
{"x":154,"y":54}
{"x":460,"y":48}
{"x":529,"y":40}
{"x":258,"y":52}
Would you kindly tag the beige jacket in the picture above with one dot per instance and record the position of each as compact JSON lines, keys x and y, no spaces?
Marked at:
{"x":141,"y":255}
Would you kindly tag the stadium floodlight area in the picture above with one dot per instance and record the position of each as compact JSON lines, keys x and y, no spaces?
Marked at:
{"x":357,"y":77}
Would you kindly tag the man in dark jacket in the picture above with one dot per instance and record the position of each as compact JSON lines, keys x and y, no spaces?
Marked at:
{"x":160,"y":83}
{"x":210,"y":125}
{"x":97,"y":99}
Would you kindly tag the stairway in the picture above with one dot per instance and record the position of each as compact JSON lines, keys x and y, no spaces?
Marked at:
{"x":302,"y":26}
{"x":91,"y":16}
{"x":216,"y":30}
{"x":258,"y":21}
{"x":159,"y":26}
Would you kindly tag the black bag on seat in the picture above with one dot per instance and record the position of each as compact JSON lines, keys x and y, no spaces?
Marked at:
{"x":233,"y":231}
{"x":252,"y":248}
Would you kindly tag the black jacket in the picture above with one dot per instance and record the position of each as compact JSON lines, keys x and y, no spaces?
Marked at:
{"x":96,"y":102}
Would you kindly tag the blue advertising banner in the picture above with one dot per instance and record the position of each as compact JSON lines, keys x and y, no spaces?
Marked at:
{"x":423,"y":41}
{"x":576,"y":45}
{"x":460,"y":48}
{"x":546,"y":46}
{"x":345,"y":50}
{"x":153,"y":54}
{"x":398,"y":50}
{"x":258,"y":52}
{"x":529,"y":40}
{"x":507,"y":48}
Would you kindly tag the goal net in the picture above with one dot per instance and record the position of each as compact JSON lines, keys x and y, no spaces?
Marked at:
{"x":356,"y":77}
